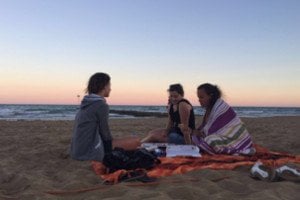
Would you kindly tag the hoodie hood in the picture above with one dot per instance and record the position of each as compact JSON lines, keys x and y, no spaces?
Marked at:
{"x":90,"y":99}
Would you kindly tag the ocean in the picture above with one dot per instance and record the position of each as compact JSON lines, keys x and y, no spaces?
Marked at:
{"x":67,"y":112}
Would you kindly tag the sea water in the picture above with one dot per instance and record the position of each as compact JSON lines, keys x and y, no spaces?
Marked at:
{"x":67,"y":112}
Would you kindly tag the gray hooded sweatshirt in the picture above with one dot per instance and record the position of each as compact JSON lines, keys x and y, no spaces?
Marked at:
{"x":91,"y":135}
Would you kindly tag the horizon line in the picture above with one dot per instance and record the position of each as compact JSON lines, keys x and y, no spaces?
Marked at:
{"x":49,"y":104}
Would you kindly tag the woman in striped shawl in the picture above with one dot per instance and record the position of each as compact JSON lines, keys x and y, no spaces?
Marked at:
{"x":222,"y":131}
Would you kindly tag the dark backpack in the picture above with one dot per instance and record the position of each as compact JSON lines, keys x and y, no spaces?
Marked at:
{"x":129,"y":160}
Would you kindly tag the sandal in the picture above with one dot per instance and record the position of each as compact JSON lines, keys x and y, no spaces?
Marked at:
{"x":261,"y":172}
{"x":136,"y":175}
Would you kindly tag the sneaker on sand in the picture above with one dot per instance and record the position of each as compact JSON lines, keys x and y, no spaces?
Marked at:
{"x":290,"y":173}
{"x":261,"y":172}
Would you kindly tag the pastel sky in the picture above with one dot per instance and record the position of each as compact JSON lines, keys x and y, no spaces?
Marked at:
{"x":250,"y":49}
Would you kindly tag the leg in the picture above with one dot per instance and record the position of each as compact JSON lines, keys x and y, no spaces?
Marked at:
{"x":175,"y":138}
{"x":127,"y":143}
{"x":156,"y":135}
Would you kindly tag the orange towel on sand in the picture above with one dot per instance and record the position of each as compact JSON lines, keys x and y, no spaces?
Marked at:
{"x":180,"y":165}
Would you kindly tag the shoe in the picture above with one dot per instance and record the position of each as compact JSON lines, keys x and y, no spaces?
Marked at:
{"x":261,"y":172}
{"x":136,"y":175}
{"x":290,"y":173}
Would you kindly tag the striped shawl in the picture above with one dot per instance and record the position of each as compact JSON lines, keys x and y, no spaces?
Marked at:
{"x":224,"y":132}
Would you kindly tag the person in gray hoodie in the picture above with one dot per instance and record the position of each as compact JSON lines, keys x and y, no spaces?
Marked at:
{"x":91,"y":138}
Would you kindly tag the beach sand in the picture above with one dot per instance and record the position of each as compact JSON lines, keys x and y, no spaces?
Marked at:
{"x":34,"y":159}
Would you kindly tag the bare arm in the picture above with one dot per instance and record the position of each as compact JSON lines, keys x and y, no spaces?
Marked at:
{"x":198,"y":133}
{"x":169,"y":124}
{"x":184,"y":112}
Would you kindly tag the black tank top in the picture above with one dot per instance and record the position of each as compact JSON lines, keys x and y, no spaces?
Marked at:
{"x":175,"y":117}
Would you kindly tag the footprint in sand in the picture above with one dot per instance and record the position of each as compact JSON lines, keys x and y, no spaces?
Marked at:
{"x":12,"y":184}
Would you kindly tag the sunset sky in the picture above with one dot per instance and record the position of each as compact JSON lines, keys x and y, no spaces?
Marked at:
{"x":250,"y":49}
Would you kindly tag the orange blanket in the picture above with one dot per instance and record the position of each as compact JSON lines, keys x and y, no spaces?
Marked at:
{"x":180,"y":165}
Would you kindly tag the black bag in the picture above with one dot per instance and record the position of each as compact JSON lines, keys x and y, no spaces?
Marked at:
{"x":129,"y":160}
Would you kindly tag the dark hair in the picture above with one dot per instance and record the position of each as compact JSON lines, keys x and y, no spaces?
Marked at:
{"x":97,"y":82}
{"x":176,"y":88}
{"x":213,"y":91}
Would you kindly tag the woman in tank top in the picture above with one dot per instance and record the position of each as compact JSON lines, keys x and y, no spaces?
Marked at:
{"x":181,"y":119}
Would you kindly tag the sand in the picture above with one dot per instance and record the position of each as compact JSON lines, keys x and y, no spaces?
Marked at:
{"x":34,"y":159}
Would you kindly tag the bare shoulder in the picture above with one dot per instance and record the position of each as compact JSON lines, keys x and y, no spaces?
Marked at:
{"x":184,"y":105}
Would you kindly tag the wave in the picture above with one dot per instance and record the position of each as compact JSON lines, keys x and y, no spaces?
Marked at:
{"x":68,"y":112}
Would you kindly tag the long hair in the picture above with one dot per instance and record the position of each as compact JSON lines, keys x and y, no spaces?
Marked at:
{"x":213,"y":91}
{"x":97,"y":82}
{"x":176,"y":88}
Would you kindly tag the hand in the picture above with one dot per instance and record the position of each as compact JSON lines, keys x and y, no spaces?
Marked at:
{"x":198,"y":133}
{"x":181,"y":126}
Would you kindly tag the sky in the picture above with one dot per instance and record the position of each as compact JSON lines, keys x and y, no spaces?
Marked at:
{"x":250,"y":49}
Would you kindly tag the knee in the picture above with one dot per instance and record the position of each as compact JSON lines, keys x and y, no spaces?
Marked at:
{"x":128,"y":143}
{"x":153,"y":135}
{"x":136,"y":141}
{"x":153,"y":132}
{"x":175,"y":138}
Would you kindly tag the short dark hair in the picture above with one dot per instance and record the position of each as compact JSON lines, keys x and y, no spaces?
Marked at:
{"x":211,"y":90}
{"x":97,"y":82}
{"x":176,"y":88}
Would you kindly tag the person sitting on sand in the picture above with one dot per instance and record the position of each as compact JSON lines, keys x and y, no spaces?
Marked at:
{"x":221,"y":131}
{"x":180,"y":112}
{"x":91,"y":138}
